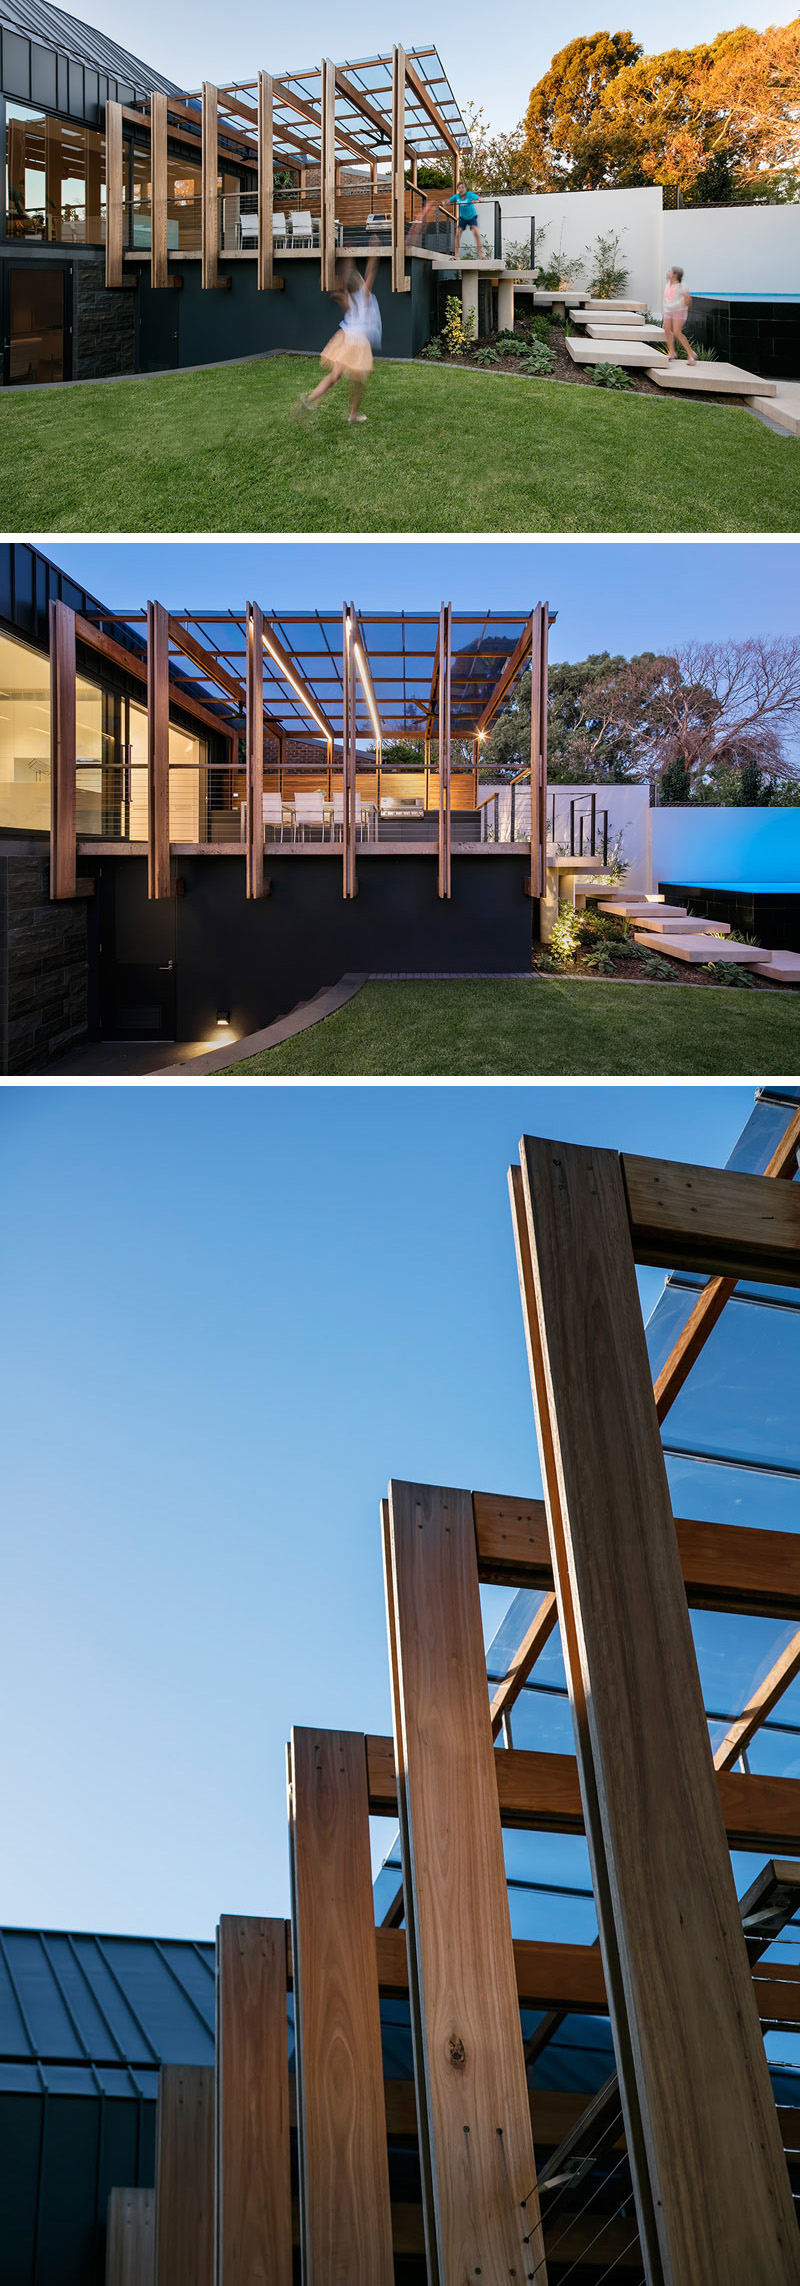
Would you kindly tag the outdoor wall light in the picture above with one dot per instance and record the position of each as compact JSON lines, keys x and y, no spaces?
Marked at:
{"x":223,"y":1017}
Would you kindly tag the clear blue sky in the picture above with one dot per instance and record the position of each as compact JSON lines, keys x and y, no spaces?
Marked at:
{"x":491,"y":63}
{"x":229,"y":1316}
{"x":617,"y":596}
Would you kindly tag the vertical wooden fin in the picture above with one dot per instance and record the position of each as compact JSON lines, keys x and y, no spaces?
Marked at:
{"x":346,"y":2224}
{"x":114,"y":194}
{"x":131,"y":2238}
{"x":185,"y":2175}
{"x":445,"y":670}
{"x":252,"y":2171}
{"x":63,"y":799}
{"x":158,"y":189}
{"x":158,"y":874}
{"x":349,"y":755}
{"x":484,"y":2218}
{"x":266,"y":263}
{"x":694,"y":2077}
{"x":210,"y":194}
{"x":255,"y":751}
{"x":327,"y":187}
{"x":539,"y":641}
{"x":400,"y":283}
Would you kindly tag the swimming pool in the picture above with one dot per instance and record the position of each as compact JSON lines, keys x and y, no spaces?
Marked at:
{"x":759,"y":331}
{"x":769,"y":910}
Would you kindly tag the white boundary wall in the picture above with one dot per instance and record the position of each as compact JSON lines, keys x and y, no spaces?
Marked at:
{"x":629,"y":821}
{"x":726,"y":249}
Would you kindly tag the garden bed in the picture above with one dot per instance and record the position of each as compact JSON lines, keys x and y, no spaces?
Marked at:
{"x":592,"y":944}
{"x":538,"y":329}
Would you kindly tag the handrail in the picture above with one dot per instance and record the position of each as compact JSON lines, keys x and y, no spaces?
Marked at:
{"x":507,"y":782}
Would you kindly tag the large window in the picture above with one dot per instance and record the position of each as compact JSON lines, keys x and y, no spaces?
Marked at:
{"x":24,"y":736}
{"x":55,"y":178}
{"x":111,"y":758}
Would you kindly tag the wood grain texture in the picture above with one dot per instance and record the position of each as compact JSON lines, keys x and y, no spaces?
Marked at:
{"x":209,"y":213}
{"x":185,"y":2175}
{"x":158,"y":871}
{"x":131,"y":2238}
{"x":266,"y":255}
{"x":114,"y":193}
{"x":254,"y":751}
{"x":485,"y":2219}
{"x":63,"y":753}
{"x":738,"y":1737}
{"x":400,"y":283}
{"x":327,"y":197}
{"x":701,"y":1218}
{"x":252,"y":2160}
{"x":720,"y":2188}
{"x":445,"y":677}
{"x":158,"y":189}
{"x":710,"y":1304}
{"x":726,"y":1567}
{"x":347,"y":2228}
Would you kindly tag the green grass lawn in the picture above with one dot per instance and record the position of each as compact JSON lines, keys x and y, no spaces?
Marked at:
{"x":554,"y":1028}
{"x":442,"y":451}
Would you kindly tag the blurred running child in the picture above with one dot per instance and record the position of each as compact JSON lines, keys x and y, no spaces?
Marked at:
{"x":349,"y":352}
{"x":677,"y":304}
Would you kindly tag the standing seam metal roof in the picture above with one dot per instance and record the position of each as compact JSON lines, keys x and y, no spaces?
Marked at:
{"x":55,"y":29}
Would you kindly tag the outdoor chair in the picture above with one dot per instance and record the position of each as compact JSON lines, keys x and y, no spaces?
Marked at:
{"x":302,"y":228}
{"x":276,"y":812}
{"x":248,"y":229}
{"x":309,"y":812}
{"x":278,"y":229}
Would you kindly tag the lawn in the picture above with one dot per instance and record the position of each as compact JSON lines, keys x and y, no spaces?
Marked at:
{"x":556,"y":1028}
{"x":441,"y":451}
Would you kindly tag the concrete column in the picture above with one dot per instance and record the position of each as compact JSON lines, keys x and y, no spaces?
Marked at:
{"x":505,"y":305}
{"x":469,"y":294}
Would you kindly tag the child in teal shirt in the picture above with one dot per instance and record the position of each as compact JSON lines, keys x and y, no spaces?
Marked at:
{"x":466,"y":215}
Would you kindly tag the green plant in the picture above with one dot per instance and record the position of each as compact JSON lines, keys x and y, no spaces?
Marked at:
{"x":609,"y":275}
{"x":600,"y":961}
{"x":510,"y":344}
{"x":610,"y":377}
{"x":545,"y":963}
{"x":704,"y":355}
{"x":564,"y":939}
{"x":729,"y":972}
{"x":432,"y":349}
{"x":538,"y":360}
{"x":459,"y":326}
{"x":539,"y":328}
{"x":486,"y":356}
{"x":517,"y":254}
{"x":654,"y":965}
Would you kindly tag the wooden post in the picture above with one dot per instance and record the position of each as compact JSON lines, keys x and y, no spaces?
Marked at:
{"x":253,"y":2236}
{"x":539,"y":632}
{"x":346,"y":2223}
{"x":266,"y":263}
{"x":185,"y":2175}
{"x":327,"y":181}
{"x":131,"y":2238}
{"x":114,"y":194}
{"x":63,"y":822}
{"x":400,"y":283}
{"x":712,"y":2187}
{"x":158,"y":874}
{"x":445,"y":664}
{"x":158,"y":189}
{"x":255,"y":751}
{"x":482,"y":2210}
{"x":210,"y":193}
{"x":349,"y":878}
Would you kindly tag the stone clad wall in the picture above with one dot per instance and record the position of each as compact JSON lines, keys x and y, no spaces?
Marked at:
{"x":104,"y":323}
{"x":43,"y":964}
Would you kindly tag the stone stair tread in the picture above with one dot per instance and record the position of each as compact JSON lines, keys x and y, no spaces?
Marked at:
{"x":704,"y":948}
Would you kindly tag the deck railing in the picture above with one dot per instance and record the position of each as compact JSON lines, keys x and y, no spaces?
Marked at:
{"x":208,"y":803}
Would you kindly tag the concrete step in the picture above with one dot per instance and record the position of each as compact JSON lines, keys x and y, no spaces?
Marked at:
{"x":640,"y":332}
{"x":699,"y":950}
{"x":689,"y":925}
{"x":613,"y":350}
{"x":784,"y":968}
{"x":718,"y":380}
{"x":638,"y":908}
{"x":784,"y":411}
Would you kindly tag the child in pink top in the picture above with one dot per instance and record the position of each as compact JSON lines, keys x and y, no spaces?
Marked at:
{"x":677,"y":304}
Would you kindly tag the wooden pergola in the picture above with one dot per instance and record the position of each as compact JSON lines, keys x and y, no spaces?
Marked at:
{"x":391,"y":110}
{"x":687,"y":2129}
{"x":350,"y":682}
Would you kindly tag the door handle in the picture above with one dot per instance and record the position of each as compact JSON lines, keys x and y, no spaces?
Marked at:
{"x":164,"y":966}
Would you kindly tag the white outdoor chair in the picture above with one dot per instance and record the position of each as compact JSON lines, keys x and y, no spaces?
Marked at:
{"x":309,"y":812}
{"x":276,"y":812}
{"x":335,"y":808}
{"x":302,"y":228}
{"x":278,"y":229}
{"x":248,"y":229}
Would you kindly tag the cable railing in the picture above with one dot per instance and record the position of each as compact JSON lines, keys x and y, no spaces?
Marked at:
{"x":208,"y":803}
{"x":505,"y":812}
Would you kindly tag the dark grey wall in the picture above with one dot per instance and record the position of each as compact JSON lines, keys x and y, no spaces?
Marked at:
{"x":43,"y":963}
{"x":193,"y":327}
{"x":255,"y":960}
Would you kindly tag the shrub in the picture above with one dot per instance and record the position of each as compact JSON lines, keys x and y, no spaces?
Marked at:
{"x":564,"y":939}
{"x":539,"y":328}
{"x":609,"y":275}
{"x":432,"y":349}
{"x":510,"y":344}
{"x":610,"y":377}
{"x":704,"y":355}
{"x":517,"y":254}
{"x":544,"y":962}
{"x":538,"y":360}
{"x":606,"y":928}
{"x":486,"y":356}
{"x":458,"y":329}
{"x":654,"y":965}
{"x":728,"y":972}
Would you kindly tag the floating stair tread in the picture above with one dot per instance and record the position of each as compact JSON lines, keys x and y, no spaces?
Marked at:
{"x":633,"y":332}
{"x":783,"y":410}
{"x":692,"y":926}
{"x":612,"y":350}
{"x":634,"y":909}
{"x":704,"y":949}
{"x":784,"y":968}
{"x":720,"y":379}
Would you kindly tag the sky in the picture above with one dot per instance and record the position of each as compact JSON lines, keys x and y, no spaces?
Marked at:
{"x":617,"y":596}
{"x":494,"y":67}
{"x":230,"y":1315}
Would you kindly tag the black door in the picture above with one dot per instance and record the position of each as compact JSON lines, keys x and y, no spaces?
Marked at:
{"x":37,"y":323}
{"x":137,"y":957}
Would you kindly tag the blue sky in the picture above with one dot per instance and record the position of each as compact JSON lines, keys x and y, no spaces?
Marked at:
{"x":229,"y":1316}
{"x":492,"y":63}
{"x":627,"y":597}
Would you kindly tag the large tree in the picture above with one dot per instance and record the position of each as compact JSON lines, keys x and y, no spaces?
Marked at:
{"x":560,"y":122}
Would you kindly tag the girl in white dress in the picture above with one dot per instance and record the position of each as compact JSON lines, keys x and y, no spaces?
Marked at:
{"x":677,"y":304}
{"x":349,"y":352}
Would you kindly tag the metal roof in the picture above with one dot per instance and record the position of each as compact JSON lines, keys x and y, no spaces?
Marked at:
{"x":53,"y":28}
{"x":84,"y":2014}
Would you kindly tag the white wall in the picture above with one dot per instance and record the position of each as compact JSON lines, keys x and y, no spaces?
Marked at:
{"x":629,"y":816}
{"x":739,"y":249}
{"x":726,"y":846}
{"x":571,"y":220}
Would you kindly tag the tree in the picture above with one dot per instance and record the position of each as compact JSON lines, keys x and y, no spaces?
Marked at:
{"x":726,"y":705}
{"x":498,"y":165}
{"x":561,"y":117}
{"x":601,"y":713}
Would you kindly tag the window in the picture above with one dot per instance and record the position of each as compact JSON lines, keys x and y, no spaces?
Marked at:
{"x":55,"y":179}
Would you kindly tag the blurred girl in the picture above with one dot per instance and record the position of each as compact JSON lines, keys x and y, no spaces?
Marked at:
{"x":349,"y":352}
{"x":677,"y":304}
